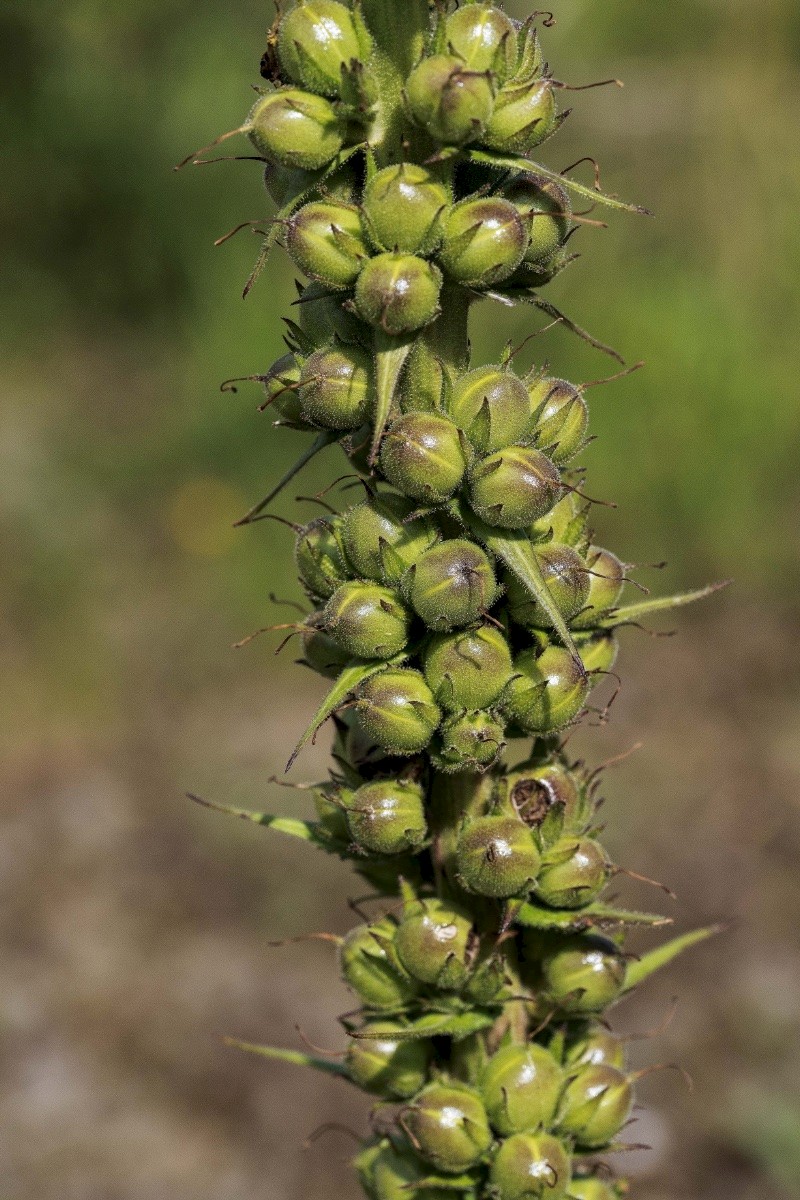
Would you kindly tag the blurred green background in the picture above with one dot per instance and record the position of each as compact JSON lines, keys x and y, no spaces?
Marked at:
{"x":136,"y":925}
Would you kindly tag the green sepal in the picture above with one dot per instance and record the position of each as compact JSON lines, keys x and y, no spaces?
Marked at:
{"x":514,"y":162}
{"x":535,"y":916}
{"x":350,"y":678}
{"x":326,"y":438}
{"x":645,"y":966}
{"x":458,"y":1027}
{"x":297,"y":1057}
{"x":307,"y":831}
{"x":632,"y":612}
{"x":514,"y":549}
{"x":390,"y":358}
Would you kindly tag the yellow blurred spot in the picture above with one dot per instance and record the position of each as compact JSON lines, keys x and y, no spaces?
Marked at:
{"x":200,"y":516}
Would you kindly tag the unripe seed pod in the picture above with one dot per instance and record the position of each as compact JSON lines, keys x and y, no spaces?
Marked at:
{"x":327,"y":242}
{"x":524,"y":116}
{"x":548,"y":692}
{"x":380,"y":539}
{"x":448,"y":1125}
{"x":451,"y":584}
{"x":595,"y":1105}
{"x":497,"y":856}
{"x":467,"y":669}
{"x":369,"y":964}
{"x":469,"y":741}
{"x":514,"y":487}
{"x":483,"y":242}
{"x":296,"y":129}
{"x":561,"y":418}
{"x":433,"y":943}
{"x":565,"y":575}
{"x":395,"y":1174}
{"x":598,"y":651}
{"x":395,"y":1070}
{"x":422,"y":457}
{"x":606,"y":581}
{"x":336,"y":388}
{"x":597,"y":1048}
{"x":319,"y":558}
{"x":592,"y":1188}
{"x":535,"y":792}
{"x":403,"y":207}
{"x":546,"y":210}
{"x":322,"y":314}
{"x":484,"y":38}
{"x":397,"y":710}
{"x":328,"y":801}
{"x":324,"y":656}
{"x":530,"y":1167}
{"x":573,"y":873}
{"x":449,"y":101}
{"x":398,"y":293}
{"x":584,"y":974}
{"x":316,"y":40}
{"x":492,"y":406}
{"x":366,"y":620}
{"x":282,"y":397}
{"x":520,"y":1087}
{"x":387,"y":816}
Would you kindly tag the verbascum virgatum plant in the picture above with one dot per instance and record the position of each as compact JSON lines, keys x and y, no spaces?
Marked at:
{"x":461,"y":605}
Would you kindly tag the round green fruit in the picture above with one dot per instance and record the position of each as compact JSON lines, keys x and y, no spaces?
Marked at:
{"x":448,"y":1126}
{"x":396,"y":708}
{"x":512,"y":488}
{"x":483,"y":242}
{"x":398,"y":293}
{"x":520,"y":1087}
{"x":530,"y":1166}
{"x":327,"y":242}
{"x":467,"y":669}
{"x":384,"y":1066}
{"x":574,"y":872}
{"x":423,"y":457}
{"x":336,"y":387}
{"x":491,"y":405}
{"x":450,"y":585}
{"x":497,"y":857}
{"x":595,"y":1105}
{"x":370,"y":966}
{"x":295,"y":129}
{"x":547,"y":692}
{"x":449,"y":101}
{"x":403,"y":208}
{"x":387,"y":816}
{"x":317,"y":40}
{"x":433,"y":943}
{"x":583,"y":975}
{"x":367,"y":620}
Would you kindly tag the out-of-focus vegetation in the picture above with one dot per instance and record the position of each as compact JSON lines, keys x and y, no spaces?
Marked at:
{"x":138,"y":926}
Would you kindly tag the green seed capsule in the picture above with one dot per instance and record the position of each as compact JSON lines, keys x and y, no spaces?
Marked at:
{"x":448,"y":1125}
{"x":584,"y":974}
{"x":467,"y":669}
{"x":536,"y":792}
{"x":520,"y":1087}
{"x":564,"y":573}
{"x":366,"y":620}
{"x":449,"y":101}
{"x":422,"y":456}
{"x":393,"y":1069}
{"x":530,"y":1167}
{"x":395,"y":1175}
{"x":328,"y":801}
{"x":548,"y":691}
{"x":327,"y":242}
{"x":606,"y":581}
{"x":296,"y":129}
{"x":370,"y":966}
{"x":380,"y":539}
{"x":397,"y":709}
{"x":514,"y":487}
{"x":469,"y":741}
{"x":451,"y":585}
{"x":322,"y":314}
{"x":403,"y":207}
{"x":483,"y":242}
{"x":433,"y":943}
{"x":492,"y":407}
{"x":316,"y":40}
{"x":546,"y":210}
{"x":524,"y":116}
{"x":561,"y":418}
{"x":281,"y":395}
{"x":336,"y":387}
{"x":566,"y":523}
{"x":573,"y":873}
{"x":324,"y":656}
{"x":497,"y":857}
{"x":398,"y":293}
{"x":484,"y":38}
{"x":598,"y":651}
{"x":319,"y":558}
{"x":387,"y":816}
{"x":597,"y":1048}
{"x":595,"y":1105}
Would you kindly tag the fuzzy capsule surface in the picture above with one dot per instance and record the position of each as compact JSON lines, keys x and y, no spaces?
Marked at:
{"x":468,"y":741}
{"x":451,"y":585}
{"x":468,"y":669}
{"x":370,"y":966}
{"x":423,"y":456}
{"x":483,"y":242}
{"x":403,"y":208}
{"x":548,"y":690}
{"x":327,"y":241}
{"x":385,"y":1066}
{"x":491,"y":405}
{"x":567,"y":580}
{"x":497,"y":857}
{"x":514,"y":487}
{"x":520,"y":1087}
{"x":387,"y":816}
{"x":336,"y":387}
{"x":296,"y":129}
{"x":398,"y":293}
{"x":449,"y":1127}
{"x":398,"y":710}
{"x":367,"y":620}
{"x":561,"y":418}
{"x":317,"y":39}
{"x":433,"y":941}
{"x":606,"y":581}
{"x":529,"y":1165}
{"x":595,"y":1104}
{"x":383,"y":538}
{"x":485,"y":38}
{"x":584,"y":974}
{"x":448,"y":100}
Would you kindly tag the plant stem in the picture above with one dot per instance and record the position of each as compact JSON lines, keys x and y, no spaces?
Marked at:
{"x":399,"y":28}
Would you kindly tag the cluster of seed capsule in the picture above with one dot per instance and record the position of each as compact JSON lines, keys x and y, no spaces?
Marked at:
{"x":481,"y":992}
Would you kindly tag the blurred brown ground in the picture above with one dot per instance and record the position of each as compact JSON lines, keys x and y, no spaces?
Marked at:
{"x":135,"y":926}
